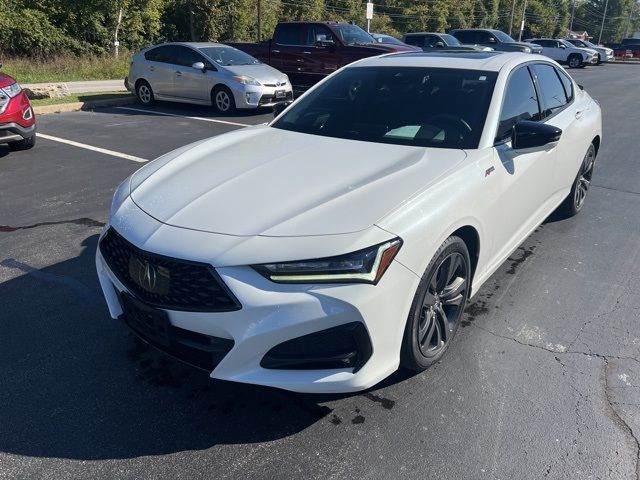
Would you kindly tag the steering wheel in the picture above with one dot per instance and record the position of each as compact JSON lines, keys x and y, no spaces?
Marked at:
{"x":454,"y":127}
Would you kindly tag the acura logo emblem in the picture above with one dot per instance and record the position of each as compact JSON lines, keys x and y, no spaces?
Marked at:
{"x":147,"y":276}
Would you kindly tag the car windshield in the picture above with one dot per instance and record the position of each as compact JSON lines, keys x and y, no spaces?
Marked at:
{"x":589,"y":44}
{"x":450,"y":40}
{"x":228,"y":57}
{"x":353,"y":34}
{"x":387,"y":39}
{"x":568,"y":44}
{"x":427,"y":107}
{"x":503,"y":37}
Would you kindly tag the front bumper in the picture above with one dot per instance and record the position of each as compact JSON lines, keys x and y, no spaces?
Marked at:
{"x":13,"y":132}
{"x":273,"y":314}
{"x":251,"y":96}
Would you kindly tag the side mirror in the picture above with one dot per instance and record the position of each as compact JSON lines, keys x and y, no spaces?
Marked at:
{"x":198,"y":66}
{"x":528,"y":134}
{"x":278,"y":108}
{"x":439,"y":45}
{"x":492,"y":40}
{"x":562,"y":45}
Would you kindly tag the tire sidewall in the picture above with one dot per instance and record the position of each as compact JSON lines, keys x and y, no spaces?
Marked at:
{"x":573,"y":210}
{"x":411,"y":356}
{"x":573,"y":56}
{"x":145,"y":84}
{"x":232,"y":105}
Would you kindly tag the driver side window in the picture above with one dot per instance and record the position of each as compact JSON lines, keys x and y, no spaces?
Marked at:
{"x":520,"y":103}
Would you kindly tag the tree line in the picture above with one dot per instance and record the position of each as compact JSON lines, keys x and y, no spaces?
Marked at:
{"x":42,"y":28}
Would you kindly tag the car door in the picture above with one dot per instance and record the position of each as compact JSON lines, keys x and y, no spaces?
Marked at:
{"x":190,"y":83}
{"x":560,"y":108}
{"x":523,"y":177}
{"x":286,"y":50}
{"x":158,"y":71}
{"x":320,"y":57}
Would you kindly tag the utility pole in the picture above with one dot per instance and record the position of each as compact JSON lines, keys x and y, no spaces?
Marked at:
{"x":573,"y":11}
{"x":513,"y":11}
{"x":524,"y":10}
{"x":604,"y":15}
{"x":259,"y":20}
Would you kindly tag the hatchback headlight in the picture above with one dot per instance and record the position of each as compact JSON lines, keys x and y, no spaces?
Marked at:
{"x":12,"y":90}
{"x":246,"y":80}
{"x":364,"y":266}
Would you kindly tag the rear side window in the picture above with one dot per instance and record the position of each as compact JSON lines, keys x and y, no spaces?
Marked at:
{"x":160,"y":54}
{"x":289,"y":34}
{"x":415,"y":40}
{"x":520,"y":102}
{"x":466,"y":37}
{"x":553,"y":97}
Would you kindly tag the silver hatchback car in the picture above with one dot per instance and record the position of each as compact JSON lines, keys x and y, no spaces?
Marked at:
{"x":206,"y":74}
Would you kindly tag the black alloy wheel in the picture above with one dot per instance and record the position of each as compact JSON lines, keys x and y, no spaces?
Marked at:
{"x":438,"y":306}
{"x":580,"y":188}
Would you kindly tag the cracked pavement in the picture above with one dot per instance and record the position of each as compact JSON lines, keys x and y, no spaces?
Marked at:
{"x":542,"y":380}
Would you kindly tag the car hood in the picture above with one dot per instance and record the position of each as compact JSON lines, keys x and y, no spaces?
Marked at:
{"x":6,"y":80}
{"x":272,"y":182}
{"x":261,"y":72}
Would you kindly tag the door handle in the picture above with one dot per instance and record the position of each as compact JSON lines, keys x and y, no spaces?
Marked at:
{"x":579,"y":113}
{"x":152,"y":68}
{"x":178,"y":73}
{"x":275,"y":51}
{"x":308,"y":53}
{"x":299,"y":60}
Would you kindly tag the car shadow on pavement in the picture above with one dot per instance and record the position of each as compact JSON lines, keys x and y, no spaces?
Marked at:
{"x":77,"y":384}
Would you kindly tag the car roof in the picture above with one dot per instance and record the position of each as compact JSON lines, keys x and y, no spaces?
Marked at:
{"x":462,"y":59}
{"x":474,"y":30}
{"x":424,"y":33}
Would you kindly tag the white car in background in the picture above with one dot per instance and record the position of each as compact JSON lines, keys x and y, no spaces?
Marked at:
{"x":562,"y":51}
{"x":206,"y":74}
{"x":604,"y":54}
{"x":322,"y":251}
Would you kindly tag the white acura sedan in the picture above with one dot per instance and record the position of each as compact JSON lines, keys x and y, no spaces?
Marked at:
{"x":322,"y":251}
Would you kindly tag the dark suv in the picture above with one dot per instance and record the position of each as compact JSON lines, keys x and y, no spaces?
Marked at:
{"x":496,"y":39}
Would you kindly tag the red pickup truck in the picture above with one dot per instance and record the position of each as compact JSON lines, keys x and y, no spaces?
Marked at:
{"x":309,"y":51}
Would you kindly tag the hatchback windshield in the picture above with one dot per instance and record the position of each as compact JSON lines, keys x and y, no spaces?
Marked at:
{"x":451,"y":40}
{"x":353,"y":34}
{"x":227,"y":56}
{"x":428,"y":107}
{"x":503,"y":37}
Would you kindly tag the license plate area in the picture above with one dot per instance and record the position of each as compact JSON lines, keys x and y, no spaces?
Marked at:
{"x":280,"y":94}
{"x":147,"y":321}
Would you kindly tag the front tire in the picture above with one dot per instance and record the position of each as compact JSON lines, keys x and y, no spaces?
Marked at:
{"x":574,"y":60}
{"x":599,"y":59}
{"x":438,"y":306}
{"x":223,"y":100}
{"x":25,"y":144}
{"x":144,"y":92}
{"x":575,"y":200}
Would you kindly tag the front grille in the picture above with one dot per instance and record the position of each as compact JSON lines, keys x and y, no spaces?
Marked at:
{"x":266,"y":99}
{"x":166,"y":282}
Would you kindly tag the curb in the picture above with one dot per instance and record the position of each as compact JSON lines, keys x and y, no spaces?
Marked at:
{"x":89,"y":105}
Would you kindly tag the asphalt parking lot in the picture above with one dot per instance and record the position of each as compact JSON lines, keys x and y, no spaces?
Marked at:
{"x":542,"y":381}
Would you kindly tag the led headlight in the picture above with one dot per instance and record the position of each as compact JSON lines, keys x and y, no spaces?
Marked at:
{"x":246,"y":80}
{"x":12,"y":90}
{"x":364,"y":266}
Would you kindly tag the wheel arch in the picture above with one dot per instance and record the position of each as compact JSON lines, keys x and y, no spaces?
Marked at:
{"x":139,"y":81}
{"x":596,"y":143}
{"x":471,"y":238}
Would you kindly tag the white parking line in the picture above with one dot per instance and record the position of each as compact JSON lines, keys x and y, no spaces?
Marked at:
{"x":204,"y":119}
{"x":92,"y":148}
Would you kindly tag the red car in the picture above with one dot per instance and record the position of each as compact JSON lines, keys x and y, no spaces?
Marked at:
{"x":17,"y":120}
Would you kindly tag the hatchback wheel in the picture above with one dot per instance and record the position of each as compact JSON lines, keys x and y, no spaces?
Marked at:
{"x":575,"y":200}
{"x":222,"y":100}
{"x":574,"y":61}
{"x":145,"y":93}
{"x":438,"y":306}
